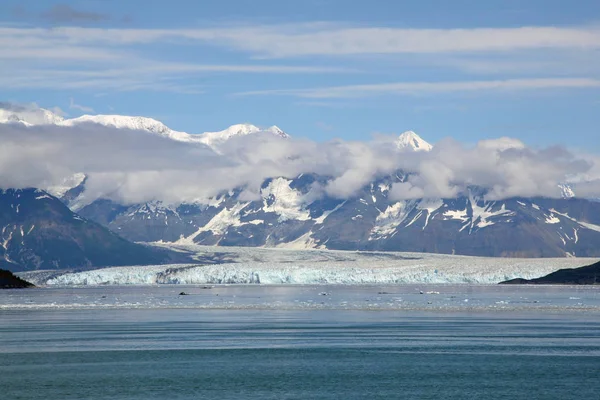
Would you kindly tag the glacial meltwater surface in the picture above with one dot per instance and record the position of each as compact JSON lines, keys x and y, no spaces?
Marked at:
{"x":300,"y":342}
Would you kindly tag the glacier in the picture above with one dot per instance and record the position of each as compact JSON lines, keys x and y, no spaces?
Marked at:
{"x":312,"y":267}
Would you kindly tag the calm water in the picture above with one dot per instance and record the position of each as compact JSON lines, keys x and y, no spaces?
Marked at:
{"x":300,"y":343}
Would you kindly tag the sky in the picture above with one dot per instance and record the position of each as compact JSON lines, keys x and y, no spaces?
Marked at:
{"x":319,"y":69}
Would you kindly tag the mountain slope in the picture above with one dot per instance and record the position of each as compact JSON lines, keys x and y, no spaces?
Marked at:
{"x":37,"y":231}
{"x":10,"y":281}
{"x":588,"y":275}
{"x":287,"y":215}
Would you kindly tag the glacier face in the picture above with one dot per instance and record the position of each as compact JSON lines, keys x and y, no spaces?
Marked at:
{"x":315,"y":267}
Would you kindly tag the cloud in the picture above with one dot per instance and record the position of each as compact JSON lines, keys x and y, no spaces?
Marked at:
{"x":138,"y":166}
{"x":76,"y":58}
{"x":87,"y":58}
{"x":335,"y":40}
{"x":418,"y":88}
{"x":63,"y":13}
{"x":75,"y":106}
{"x":324,"y":126}
{"x":14,"y":107}
{"x":503,"y":170}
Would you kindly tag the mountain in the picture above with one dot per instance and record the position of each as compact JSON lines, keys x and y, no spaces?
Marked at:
{"x":293,"y":211}
{"x":412,"y":142}
{"x":286,"y":216}
{"x":589,"y":275}
{"x":28,"y":115}
{"x":10,"y":281}
{"x":37,"y":231}
{"x":40,"y":116}
{"x":289,"y":214}
{"x":214,"y":139}
{"x":133,"y":123}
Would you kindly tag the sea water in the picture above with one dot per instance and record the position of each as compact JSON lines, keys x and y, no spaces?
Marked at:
{"x":300,"y":342}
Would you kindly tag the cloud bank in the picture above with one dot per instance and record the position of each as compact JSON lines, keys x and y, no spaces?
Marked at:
{"x":137,"y":166}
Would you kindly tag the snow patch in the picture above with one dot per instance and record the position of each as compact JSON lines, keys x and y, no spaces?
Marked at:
{"x":219,"y":224}
{"x":431,"y":206}
{"x":305,"y":241}
{"x":482,"y":215}
{"x":460,"y":215}
{"x":326,"y":214}
{"x":587,"y":225}
{"x":389,"y":220}
{"x":285,"y":201}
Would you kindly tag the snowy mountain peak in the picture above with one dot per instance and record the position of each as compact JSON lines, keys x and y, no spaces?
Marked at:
{"x":134,"y":123}
{"x":239,"y":130}
{"x":120,"y":121}
{"x":33,"y":115}
{"x":216,"y":138}
{"x":29,"y":116}
{"x":275,"y":130}
{"x":411,"y":141}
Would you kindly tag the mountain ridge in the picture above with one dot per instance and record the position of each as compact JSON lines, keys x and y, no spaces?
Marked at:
{"x":41,"y":116}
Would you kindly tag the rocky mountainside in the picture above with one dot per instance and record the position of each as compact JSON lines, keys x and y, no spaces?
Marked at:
{"x":37,"y":231}
{"x":286,"y":217}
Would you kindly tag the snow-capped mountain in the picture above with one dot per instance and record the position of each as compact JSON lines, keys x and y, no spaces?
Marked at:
{"x":66,"y":185}
{"x":29,"y":116}
{"x":37,"y":231}
{"x":213,"y":138}
{"x":134,"y":123}
{"x":409,"y":140}
{"x":287,"y":215}
{"x":41,"y":116}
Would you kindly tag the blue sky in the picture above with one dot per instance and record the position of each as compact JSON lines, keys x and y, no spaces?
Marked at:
{"x":320,"y":69}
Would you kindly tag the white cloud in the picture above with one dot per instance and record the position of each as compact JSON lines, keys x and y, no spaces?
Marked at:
{"x":136,"y":166}
{"x":329,"y":39}
{"x":79,"y":107}
{"x":112,"y":59}
{"x":122,"y":59}
{"x":417,"y":88}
